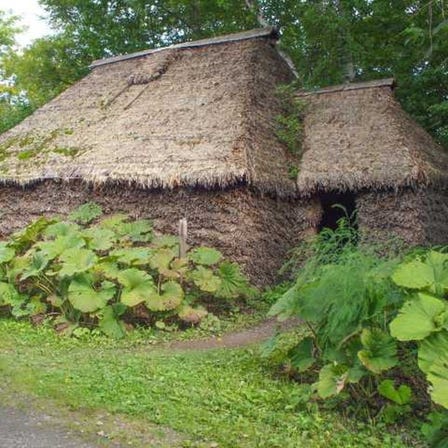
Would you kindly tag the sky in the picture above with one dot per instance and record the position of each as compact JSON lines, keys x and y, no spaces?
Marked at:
{"x":31,"y":13}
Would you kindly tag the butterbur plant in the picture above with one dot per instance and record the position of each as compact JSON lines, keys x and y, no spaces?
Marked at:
{"x":90,"y":271}
{"x":424,"y":317}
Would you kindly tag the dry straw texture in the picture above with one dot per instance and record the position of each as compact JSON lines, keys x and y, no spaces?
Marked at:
{"x":182,"y":117}
{"x":358,"y":137}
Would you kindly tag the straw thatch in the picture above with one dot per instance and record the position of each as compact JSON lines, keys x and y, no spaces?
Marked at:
{"x":193,"y":115}
{"x":414,"y":216}
{"x":357,"y":136}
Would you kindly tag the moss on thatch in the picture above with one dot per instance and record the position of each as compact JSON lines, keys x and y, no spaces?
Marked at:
{"x":188,"y":116}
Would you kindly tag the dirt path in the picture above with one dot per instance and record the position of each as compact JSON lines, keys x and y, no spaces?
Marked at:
{"x":242,"y":338}
{"x":31,"y":430}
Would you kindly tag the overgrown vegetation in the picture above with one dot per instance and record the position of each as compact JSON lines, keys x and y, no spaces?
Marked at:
{"x":94,"y":272}
{"x":223,"y":398}
{"x":365,"y":316}
{"x":289,"y":123}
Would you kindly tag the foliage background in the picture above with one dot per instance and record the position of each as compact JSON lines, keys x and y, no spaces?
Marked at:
{"x":329,"y":41}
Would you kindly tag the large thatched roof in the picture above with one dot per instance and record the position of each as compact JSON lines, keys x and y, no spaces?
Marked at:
{"x":199,"y":114}
{"x":357,"y":136}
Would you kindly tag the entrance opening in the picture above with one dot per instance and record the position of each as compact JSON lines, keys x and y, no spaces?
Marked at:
{"x":336,"y":206}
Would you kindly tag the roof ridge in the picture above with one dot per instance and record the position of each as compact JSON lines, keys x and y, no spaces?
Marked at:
{"x":270,"y":31}
{"x":388,"y":82}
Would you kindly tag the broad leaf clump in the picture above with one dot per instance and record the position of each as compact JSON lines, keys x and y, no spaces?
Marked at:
{"x":94,"y":271}
{"x":371,"y":322}
{"x":424,"y":317}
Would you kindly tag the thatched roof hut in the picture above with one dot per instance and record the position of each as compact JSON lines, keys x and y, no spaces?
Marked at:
{"x":358,"y":136}
{"x":183,"y":131}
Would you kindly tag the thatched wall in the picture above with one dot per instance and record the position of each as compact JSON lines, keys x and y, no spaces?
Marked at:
{"x":415,"y":216}
{"x":435,"y":216}
{"x":255,"y":231}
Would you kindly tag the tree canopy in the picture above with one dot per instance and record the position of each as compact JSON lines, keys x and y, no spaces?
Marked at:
{"x":330,"y":41}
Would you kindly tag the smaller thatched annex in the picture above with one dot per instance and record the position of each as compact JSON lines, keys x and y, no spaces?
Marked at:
{"x":361,"y":150}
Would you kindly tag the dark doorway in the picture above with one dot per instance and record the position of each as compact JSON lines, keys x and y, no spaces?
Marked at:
{"x":336,"y":206}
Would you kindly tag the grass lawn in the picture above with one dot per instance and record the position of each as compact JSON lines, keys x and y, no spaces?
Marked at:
{"x":218,"y":398}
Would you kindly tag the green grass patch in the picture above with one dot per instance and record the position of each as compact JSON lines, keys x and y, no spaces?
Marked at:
{"x":223,"y":397}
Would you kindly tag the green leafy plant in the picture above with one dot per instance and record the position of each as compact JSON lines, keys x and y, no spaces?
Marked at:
{"x":435,"y":429}
{"x":289,"y":126}
{"x":95,"y":272}
{"x":365,"y":314}
{"x":424,"y":317}
{"x":346,"y":299}
{"x":86,"y":213}
{"x":399,"y":400}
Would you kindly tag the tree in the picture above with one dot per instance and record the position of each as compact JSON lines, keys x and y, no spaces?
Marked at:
{"x":12,"y":107}
{"x":45,"y":68}
{"x":103,"y":28}
{"x":330,"y":41}
{"x":406,"y":39}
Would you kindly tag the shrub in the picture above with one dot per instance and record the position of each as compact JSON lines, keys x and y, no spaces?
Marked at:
{"x":87,"y":271}
{"x":346,"y":299}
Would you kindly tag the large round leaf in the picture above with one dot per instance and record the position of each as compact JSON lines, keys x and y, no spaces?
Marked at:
{"x":177,"y":269}
{"x":379,"y":350}
{"x":138,"y":286}
{"x":419,"y":317}
{"x":75,"y":261}
{"x":6,"y":253}
{"x":161,"y":259}
{"x":334,"y":377}
{"x":233,"y":282}
{"x":53,"y":249}
{"x":171,"y":297}
{"x":205,"y":279}
{"x":169,"y":241}
{"x":86,"y":213}
{"x":31,"y":233}
{"x":332,"y":380}
{"x":8,"y":294}
{"x":84,"y":297}
{"x":401,"y":396}
{"x":99,"y":239}
{"x":61,"y":229}
{"x":114,"y":222}
{"x":132,"y":255}
{"x":109,"y":323}
{"x":430,"y":274}
{"x":433,"y":361}
{"x":38,"y":262}
{"x":107,"y":268}
{"x":138,"y":231}
{"x":206,"y":256}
